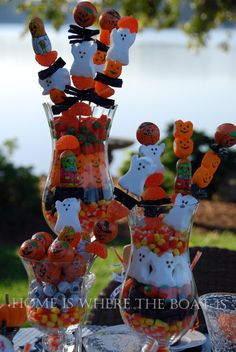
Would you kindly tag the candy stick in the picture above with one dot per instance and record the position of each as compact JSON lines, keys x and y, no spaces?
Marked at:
{"x":183,"y":148}
{"x":196,"y":259}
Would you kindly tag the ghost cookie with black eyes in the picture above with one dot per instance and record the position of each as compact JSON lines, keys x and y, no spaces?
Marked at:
{"x":122,"y":39}
{"x":83,"y":70}
{"x":140,"y":168}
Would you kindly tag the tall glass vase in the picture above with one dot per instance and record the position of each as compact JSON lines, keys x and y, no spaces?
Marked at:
{"x":79,"y":186}
{"x":158,"y":297}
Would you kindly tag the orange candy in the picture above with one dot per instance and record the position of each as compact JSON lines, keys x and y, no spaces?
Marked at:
{"x":105,"y":231}
{"x":81,"y":109}
{"x":109,"y":19}
{"x":128,"y":22}
{"x":211,"y":161}
{"x":113,"y":69}
{"x":67,"y":143}
{"x":46,"y":59}
{"x":202,"y":177}
{"x":75,"y":269}
{"x":183,"y":147}
{"x":103,"y":90}
{"x":148,"y":133}
{"x":98,"y":249}
{"x":44,"y":237}
{"x":83,"y":83}
{"x":57,"y":96}
{"x":85,"y":14}
{"x":116,"y":211}
{"x":183,"y":129}
{"x":99,"y":57}
{"x":60,"y":252}
{"x":47,"y":272}
{"x":225,"y":135}
{"x":105,"y":37}
{"x":32,"y":249}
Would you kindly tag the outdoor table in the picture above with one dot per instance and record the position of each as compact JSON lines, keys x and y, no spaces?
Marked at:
{"x":31,"y":335}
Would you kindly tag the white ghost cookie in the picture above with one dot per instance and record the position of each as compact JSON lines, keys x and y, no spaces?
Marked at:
{"x":150,"y":269}
{"x":57,"y":80}
{"x":67,"y":214}
{"x":154,"y":151}
{"x":83,"y":65}
{"x":140,"y":168}
{"x":180,"y":216}
{"x":121,"y":41}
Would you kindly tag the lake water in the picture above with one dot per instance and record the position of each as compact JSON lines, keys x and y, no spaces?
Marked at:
{"x":163,"y":82}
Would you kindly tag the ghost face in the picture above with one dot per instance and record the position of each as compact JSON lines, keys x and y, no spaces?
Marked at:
{"x":150,"y":269}
{"x":180,"y":216}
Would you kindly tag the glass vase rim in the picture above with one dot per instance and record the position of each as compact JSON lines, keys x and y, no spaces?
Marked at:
{"x":202,"y":300}
{"x":50,"y":104}
{"x":164,"y":205}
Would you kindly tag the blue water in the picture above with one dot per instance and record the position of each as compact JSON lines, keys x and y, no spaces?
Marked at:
{"x":163,"y":82}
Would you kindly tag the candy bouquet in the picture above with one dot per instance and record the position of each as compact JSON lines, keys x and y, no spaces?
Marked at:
{"x":77,"y":200}
{"x":158,"y":297}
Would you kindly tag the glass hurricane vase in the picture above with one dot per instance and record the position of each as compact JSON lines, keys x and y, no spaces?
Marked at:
{"x":159,"y":294}
{"x":79,"y":186}
{"x":56,"y":303}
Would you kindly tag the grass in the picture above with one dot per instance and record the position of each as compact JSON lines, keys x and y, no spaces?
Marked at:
{"x":13,"y":279}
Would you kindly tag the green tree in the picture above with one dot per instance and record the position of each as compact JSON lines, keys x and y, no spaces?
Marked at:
{"x":202,"y":143}
{"x":20,"y":199}
{"x":195,"y":17}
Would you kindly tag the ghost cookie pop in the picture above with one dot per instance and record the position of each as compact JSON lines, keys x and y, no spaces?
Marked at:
{"x":122,"y":36}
